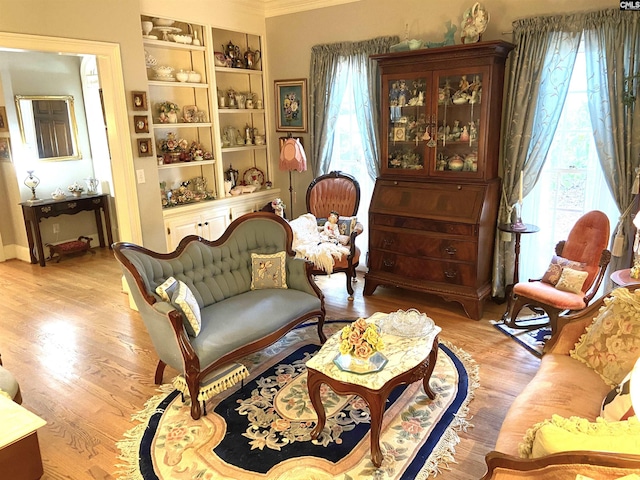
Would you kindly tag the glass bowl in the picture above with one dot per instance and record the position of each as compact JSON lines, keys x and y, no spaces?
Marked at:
{"x":410,"y":323}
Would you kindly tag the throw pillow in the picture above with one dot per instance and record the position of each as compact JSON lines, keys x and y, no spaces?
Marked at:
{"x":552,"y":275}
{"x":617,"y":406}
{"x":347,"y":224}
{"x":184,"y":300}
{"x":571,"y":280}
{"x":560,"y":434}
{"x":268,"y":271}
{"x":166,"y":289}
{"x":609,"y":345}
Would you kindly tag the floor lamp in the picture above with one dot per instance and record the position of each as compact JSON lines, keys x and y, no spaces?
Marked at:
{"x":292,"y":157}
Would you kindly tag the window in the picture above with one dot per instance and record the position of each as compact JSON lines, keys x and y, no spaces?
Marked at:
{"x":348,"y":155}
{"x":571,"y":182}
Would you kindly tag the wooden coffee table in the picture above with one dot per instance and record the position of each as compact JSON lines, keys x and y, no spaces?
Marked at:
{"x":409,"y":360}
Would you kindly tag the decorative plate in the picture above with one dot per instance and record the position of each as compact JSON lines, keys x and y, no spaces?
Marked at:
{"x":347,"y":363}
{"x":253,"y":174}
{"x":190,"y":113}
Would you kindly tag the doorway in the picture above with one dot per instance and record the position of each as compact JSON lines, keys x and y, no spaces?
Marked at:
{"x":115,"y":109}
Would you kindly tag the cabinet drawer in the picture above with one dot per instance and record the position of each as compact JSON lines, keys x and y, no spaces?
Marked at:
{"x":408,"y":266}
{"x":423,"y":224}
{"x":423,"y":245}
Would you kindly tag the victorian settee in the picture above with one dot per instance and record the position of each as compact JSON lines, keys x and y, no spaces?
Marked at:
{"x":554,"y":428}
{"x":209,"y":303}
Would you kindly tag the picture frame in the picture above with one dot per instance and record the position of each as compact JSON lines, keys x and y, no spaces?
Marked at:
{"x":141,"y":123}
{"x":139,"y":100}
{"x":4,"y":123}
{"x":190,"y":113}
{"x":144,"y":147}
{"x":5,"y":149}
{"x":291,"y":101}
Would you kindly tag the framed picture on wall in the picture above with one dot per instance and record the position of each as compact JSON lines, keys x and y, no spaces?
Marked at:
{"x":144,"y":147}
{"x":291,"y":101}
{"x":139,"y":100}
{"x":5,"y":149}
{"x":141,"y":123}
{"x":4,"y":125}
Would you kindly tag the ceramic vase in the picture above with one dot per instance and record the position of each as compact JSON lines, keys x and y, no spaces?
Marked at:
{"x":173,"y":117}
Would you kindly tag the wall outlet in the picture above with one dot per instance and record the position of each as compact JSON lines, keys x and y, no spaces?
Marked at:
{"x":56,"y":228}
{"x":140,"y":175}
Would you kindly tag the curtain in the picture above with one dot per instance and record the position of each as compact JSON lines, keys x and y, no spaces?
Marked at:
{"x":541,"y":67}
{"x":612,"y":49}
{"x":328,"y":84}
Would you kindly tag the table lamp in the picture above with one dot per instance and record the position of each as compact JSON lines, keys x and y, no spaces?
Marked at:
{"x":292,"y":157}
{"x":32,"y":182}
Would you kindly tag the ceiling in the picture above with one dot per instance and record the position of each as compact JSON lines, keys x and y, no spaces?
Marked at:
{"x":274,"y":8}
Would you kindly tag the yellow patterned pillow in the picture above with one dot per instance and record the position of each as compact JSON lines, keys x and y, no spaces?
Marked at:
{"x":561,"y":434}
{"x":571,"y":280}
{"x":183,"y":298}
{"x":610,"y":344}
{"x":268,"y":271}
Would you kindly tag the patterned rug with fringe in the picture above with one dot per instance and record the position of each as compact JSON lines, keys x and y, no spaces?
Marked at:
{"x":262,"y":430}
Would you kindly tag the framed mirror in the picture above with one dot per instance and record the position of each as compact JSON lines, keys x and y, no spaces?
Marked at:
{"x":48,"y":126}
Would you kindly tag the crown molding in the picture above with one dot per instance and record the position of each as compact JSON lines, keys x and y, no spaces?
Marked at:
{"x":274,"y":8}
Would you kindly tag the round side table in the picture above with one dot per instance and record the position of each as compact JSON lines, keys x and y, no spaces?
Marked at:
{"x":508,"y":227}
{"x":622,"y":278}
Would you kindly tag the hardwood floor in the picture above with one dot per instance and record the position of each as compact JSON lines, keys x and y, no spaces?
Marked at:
{"x":85,"y":362}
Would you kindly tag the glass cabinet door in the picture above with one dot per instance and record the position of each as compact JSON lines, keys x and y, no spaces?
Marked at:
{"x":459,"y":118}
{"x":408,"y":124}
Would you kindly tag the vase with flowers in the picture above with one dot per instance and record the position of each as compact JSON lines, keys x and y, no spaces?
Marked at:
{"x":172,"y":147}
{"x":197,"y":152}
{"x":360,"y":346}
{"x":76,"y":189}
{"x":168,"y":112}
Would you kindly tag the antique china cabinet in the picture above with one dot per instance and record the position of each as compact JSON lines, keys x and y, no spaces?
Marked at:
{"x":433,"y":212}
{"x":221,"y":113}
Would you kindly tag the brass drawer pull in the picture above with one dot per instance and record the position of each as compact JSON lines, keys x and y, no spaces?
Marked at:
{"x":451,"y":250}
{"x":450,"y":273}
{"x":388,"y":263}
{"x":386,"y":242}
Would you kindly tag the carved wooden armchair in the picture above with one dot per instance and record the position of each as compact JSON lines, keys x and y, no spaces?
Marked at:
{"x":585,"y":251}
{"x":338,"y":192}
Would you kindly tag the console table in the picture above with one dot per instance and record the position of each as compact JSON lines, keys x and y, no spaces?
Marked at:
{"x":34,"y":212}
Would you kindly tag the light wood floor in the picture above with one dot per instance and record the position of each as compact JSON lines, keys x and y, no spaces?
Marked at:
{"x":85,"y":363}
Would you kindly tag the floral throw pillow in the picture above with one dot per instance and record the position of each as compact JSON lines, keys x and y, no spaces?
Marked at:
{"x":558,"y":263}
{"x":610,"y":344}
{"x":268,"y":271}
{"x":571,"y":280}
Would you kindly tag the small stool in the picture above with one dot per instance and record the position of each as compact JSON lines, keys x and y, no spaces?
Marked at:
{"x":216,"y":382}
{"x":9,"y":384}
{"x":83,"y":244}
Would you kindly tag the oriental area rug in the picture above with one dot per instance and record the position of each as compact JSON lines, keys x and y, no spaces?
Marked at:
{"x":262,"y":429}
{"x":533,"y":340}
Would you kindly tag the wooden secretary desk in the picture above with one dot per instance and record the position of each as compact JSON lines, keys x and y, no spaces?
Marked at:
{"x":433,"y":213}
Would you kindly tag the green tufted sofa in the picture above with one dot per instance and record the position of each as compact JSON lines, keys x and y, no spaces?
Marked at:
{"x":236,"y":320}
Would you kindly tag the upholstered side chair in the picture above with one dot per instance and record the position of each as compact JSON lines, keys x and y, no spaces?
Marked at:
{"x":338,"y":192}
{"x":585,"y":250}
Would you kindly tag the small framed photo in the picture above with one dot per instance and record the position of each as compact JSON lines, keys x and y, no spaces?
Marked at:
{"x":190,"y":113}
{"x":139,"y":100}
{"x":291,"y":99}
{"x":4,"y":124}
{"x":5,"y":149}
{"x":144,"y":147}
{"x":141,"y":123}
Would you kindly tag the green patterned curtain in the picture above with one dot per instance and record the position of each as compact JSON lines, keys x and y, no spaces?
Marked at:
{"x":541,"y":67}
{"x":328,"y":85}
{"x":612,"y":49}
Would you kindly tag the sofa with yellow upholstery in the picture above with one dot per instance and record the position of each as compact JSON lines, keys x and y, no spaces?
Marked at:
{"x":559,"y":410}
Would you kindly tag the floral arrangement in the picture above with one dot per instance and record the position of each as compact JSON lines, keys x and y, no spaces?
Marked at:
{"x":171,"y":144}
{"x":405,"y":159}
{"x":198,"y":153}
{"x":278,"y":207}
{"x":77,"y":188}
{"x":291,"y":106}
{"x":360,"y":339}
{"x":169,"y":107}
